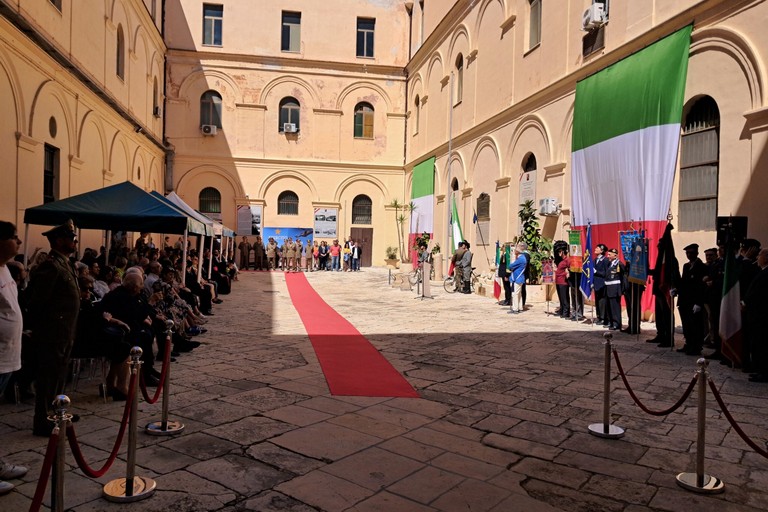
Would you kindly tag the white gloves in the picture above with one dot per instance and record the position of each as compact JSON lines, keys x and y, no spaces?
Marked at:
{"x":696,"y":309}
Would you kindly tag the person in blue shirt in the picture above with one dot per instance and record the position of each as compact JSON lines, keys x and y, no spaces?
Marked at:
{"x":517,"y":276}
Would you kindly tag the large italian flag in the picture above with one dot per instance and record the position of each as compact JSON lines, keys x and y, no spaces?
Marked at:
{"x":626,"y":132}
{"x":423,"y":198}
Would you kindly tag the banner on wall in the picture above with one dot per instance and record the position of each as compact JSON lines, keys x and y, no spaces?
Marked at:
{"x":326,"y":222}
{"x":281,"y":234}
{"x":575,"y":254}
{"x":249,"y":220}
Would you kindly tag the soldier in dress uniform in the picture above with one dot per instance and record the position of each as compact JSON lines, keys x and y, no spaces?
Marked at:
{"x":272,"y":253}
{"x":614,"y":277}
{"x":245,"y":249}
{"x":691,"y":296}
{"x":54,"y":303}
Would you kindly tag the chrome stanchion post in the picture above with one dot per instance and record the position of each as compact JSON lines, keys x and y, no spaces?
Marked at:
{"x":165,"y":427}
{"x":61,"y":420}
{"x":132,"y":487}
{"x":699,"y":481}
{"x":605,"y":429}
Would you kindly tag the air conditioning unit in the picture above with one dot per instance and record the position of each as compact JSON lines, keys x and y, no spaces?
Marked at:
{"x":209,"y":129}
{"x":290,"y":128}
{"x":157,"y":111}
{"x":593,"y":17}
{"x":548,"y":206}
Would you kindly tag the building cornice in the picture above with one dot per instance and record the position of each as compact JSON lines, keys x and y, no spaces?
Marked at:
{"x":281,"y":63}
{"x":363,"y":167}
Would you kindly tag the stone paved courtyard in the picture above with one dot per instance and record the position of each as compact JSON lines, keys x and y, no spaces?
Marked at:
{"x":501,"y":425}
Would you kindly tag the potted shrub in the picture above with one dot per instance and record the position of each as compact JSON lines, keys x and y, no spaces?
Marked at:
{"x":391,"y":256}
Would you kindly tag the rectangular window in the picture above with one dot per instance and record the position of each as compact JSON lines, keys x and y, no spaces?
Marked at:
{"x":699,"y":169}
{"x":534,"y":32}
{"x":291,"y":32}
{"x":50,"y":174}
{"x":365,"y":31}
{"x":593,"y":41}
{"x":213,"y":22}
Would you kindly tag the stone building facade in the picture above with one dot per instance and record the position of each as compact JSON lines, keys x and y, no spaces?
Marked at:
{"x":332,"y":104}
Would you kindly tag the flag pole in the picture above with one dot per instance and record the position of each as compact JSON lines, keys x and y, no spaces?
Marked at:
{"x":449,"y":194}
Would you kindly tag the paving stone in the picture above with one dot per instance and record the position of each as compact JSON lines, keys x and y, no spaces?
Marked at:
{"x":465,"y":466}
{"x":620,"y":449}
{"x":471,"y":495}
{"x":200,"y":445}
{"x":252,"y":429}
{"x":616,"y":488}
{"x":386,"y":502}
{"x":283,"y":459}
{"x":411,"y":448}
{"x":325,"y":491}
{"x":569,"y":499}
{"x":551,"y":472}
{"x":426,"y":485}
{"x":601,"y":465}
{"x":241,"y":474}
{"x":537,"y":432}
{"x":373,"y":468}
{"x":521,"y":446}
{"x":325,"y":441}
{"x":272,"y":502}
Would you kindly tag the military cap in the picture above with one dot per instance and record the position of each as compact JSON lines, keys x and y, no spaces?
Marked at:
{"x":614,"y":251}
{"x":750,"y":242}
{"x":64,"y":230}
{"x":710,"y":250}
{"x":692,"y":247}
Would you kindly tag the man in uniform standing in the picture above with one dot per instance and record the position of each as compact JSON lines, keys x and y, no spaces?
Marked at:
{"x":692,"y":293}
{"x":598,"y":283}
{"x":54,"y":302}
{"x":245,"y":249}
{"x":466,"y":266}
{"x":613,"y":282}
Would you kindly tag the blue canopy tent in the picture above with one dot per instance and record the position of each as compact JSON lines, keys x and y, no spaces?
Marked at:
{"x":121,"y":207}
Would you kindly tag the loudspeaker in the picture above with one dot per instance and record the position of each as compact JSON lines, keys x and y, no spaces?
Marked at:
{"x":736,"y":227}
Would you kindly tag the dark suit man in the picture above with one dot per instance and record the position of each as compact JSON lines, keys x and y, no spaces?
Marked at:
{"x":692,"y":294}
{"x":614,"y":277}
{"x":54,"y":303}
{"x":756,"y":319}
{"x":598,"y":283}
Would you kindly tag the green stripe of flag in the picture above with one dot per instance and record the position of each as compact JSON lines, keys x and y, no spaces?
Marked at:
{"x":642,"y":90}
{"x":424,"y":178}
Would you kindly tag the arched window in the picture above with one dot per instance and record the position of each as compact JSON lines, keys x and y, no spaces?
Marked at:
{"x":210,"y":108}
{"x":289,"y":115}
{"x":459,"y":78}
{"x":361,"y":210}
{"x":120,"y":53}
{"x":287,"y":203}
{"x":416,"y":112}
{"x":363,"y":121}
{"x":210,"y":200}
{"x":530,"y":163}
{"x":534,"y":28}
{"x":454,"y":184}
{"x":699,"y":166}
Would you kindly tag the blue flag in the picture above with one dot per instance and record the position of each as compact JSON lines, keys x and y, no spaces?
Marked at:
{"x":588,"y":266}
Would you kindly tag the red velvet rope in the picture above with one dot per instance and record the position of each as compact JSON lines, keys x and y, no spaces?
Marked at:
{"x":163,"y":376}
{"x":733,"y":423}
{"x":75,"y":447}
{"x":45,"y":473}
{"x":643,"y":407}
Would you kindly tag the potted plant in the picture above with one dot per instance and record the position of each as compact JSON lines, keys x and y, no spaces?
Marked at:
{"x":539,"y":246}
{"x":391,"y":256}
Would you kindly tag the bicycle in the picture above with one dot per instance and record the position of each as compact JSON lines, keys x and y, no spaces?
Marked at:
{"x":415,"y":275}
{"x":450,"y":285}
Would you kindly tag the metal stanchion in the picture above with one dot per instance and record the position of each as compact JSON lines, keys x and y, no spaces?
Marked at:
{"x":672,"y":321}
{"x":165,"y":427}
{"x":699,"y":481}
{"x":132,"y":487}
{"x":605,"y":429}
{"x":61,"y":421}
{"x":389,"y":276}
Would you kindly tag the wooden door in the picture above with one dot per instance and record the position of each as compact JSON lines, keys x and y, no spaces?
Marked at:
{"x":364,"y":236}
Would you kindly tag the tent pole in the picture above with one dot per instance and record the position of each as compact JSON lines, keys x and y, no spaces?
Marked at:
{"x":210,"y":256}
{"x":200,"y":246}
{"x":26,"y":246}
{"x":184,"y":258}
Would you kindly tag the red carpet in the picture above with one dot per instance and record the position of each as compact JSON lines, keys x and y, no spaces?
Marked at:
{"x":352,"y":366}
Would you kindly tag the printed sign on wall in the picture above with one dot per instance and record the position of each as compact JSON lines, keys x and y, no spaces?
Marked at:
{"x":326,"y":222}
{"x":249,"y":220}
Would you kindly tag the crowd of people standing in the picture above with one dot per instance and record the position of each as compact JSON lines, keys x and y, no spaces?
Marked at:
{"x":297,"y":256}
